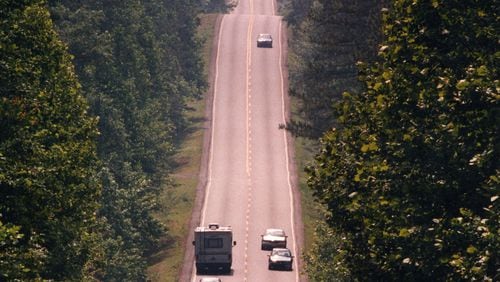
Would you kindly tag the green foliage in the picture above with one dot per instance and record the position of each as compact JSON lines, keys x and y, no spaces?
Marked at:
{"x":296,"y":10}
{"x":138,"y":63}
{"x":325,"y":261}
{"x":217,"y":6}
{"x":410,"y":175}
{"x":326,"y":45}
{"x":18,"y":260}
{"x":48,"y":184}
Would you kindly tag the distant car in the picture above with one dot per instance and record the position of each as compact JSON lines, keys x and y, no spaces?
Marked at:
{"x":210,"y":279}
{"x":273,"y":238}
{"x":265,"y":40}
{"x":280,"y":258}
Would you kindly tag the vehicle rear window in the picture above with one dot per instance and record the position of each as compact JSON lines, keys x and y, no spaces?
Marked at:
{"x":213,"y":243}
{"x":276,"y":233}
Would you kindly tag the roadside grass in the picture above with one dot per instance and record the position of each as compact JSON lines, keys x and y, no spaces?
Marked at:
{"x":305,"y":149}
{"x":177,"y":201}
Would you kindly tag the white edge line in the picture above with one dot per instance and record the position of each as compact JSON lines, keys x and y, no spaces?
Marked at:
{"x":212,"y":127}
{"x":290,"y":188}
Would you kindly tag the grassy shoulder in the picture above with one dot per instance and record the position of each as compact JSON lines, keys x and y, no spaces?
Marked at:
{"x":177,"y":201}
{"x":305,"y":149}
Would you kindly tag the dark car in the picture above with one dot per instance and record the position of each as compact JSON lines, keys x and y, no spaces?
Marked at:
{"x":265,"y":40}
{"x":273,"y":238}
{"x":280,"y":258}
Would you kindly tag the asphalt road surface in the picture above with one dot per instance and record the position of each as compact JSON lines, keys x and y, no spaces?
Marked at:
{"x":248,"y":173}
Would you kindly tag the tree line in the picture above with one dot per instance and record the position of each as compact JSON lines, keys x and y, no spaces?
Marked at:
{"x":93,"y":101}
{"x":407,"y":171}
{"x":330,"y":37}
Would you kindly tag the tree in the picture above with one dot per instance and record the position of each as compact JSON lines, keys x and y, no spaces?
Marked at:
{"x":327,"y":44}
{"x":296,"y":11}
{"x":326,"y":260}
{"x":217,"y":6}
{"x":18,"y":260}
{"x":48,"y":181}
{"x":410,"y":175}
{"x":139,"y":63}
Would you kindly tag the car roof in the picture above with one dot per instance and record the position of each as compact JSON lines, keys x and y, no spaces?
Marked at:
{"x":281,"y":250}
{"x":264,"y":35}
{"x":274,"y":230}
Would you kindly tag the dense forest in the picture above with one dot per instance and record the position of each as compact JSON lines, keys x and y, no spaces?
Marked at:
{"x":330,"y":37}
{"x":92,"y":107}
{"x":408,"y":120}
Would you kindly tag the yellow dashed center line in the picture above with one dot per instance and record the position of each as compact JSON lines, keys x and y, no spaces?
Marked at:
{"x":248,"y":134}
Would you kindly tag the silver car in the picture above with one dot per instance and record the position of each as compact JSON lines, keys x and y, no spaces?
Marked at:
{"x":280,"y":258}
{"x":273,"y":238}
{"x":265,"y":40}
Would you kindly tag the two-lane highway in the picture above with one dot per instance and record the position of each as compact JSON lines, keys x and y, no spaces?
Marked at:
{"x":248,"y":185}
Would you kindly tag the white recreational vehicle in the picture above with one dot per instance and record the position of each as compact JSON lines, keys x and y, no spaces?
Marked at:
{"x":213,"y":248}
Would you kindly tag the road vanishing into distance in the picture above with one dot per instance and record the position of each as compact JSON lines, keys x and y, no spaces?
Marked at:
{"x":249,"y":170}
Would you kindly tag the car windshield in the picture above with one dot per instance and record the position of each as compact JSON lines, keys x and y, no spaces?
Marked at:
{"x":275,"y":232}
{"x":283,"y":253}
